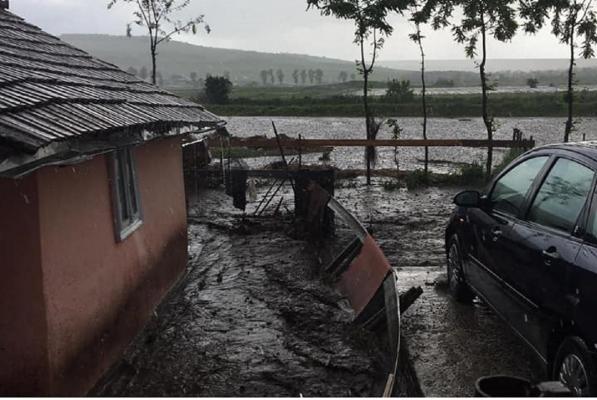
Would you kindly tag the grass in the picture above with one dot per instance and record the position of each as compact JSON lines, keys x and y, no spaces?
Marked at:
{"x":342,"y":100}
{"x":472,"y":175}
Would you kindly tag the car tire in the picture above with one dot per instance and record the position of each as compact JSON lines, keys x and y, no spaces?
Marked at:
{"x":456,"y":283}
{"x":575,"y":367}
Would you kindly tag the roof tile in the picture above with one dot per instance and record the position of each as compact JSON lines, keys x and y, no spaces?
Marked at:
{"x":52,"y":91}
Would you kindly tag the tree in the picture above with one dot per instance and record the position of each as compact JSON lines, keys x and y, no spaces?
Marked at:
{"x":194,"y":77}
{"x":399,"y":91}
{"x":295,"y":76}
{"x":264,"y":75}
{"x":303,"y":77}
{"x":417,"y":37}
{"x":370,"y":18}
{"x":533,"y":83}
{"x":157,"y":16}
{"x":217,"y":89}
{"x":343,"y":76}
{"x":318,"y":74}
{"x":272,"y":78}
{"x":280,"y":76}
{"x":481,"y":19}
{"x":311,"y":76}
{"x":573,"y":21}
{"x":143,"y":73}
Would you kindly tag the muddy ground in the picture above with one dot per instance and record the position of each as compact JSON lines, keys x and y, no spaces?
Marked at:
{"x":253,"y":318}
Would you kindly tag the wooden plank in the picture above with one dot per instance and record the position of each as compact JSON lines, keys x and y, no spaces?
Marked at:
{"x":311,"y":143}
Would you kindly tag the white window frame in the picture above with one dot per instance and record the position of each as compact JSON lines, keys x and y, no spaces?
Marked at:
{"x":127,"y":212}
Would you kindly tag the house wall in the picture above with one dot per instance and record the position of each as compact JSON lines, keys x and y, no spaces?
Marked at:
{"x":98,"y":292}
{"x":23,"y":330}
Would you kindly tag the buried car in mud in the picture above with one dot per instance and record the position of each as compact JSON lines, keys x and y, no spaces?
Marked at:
{"x":528,"y":248}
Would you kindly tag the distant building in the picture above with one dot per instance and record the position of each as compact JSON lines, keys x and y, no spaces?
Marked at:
{"x":92,"y":209}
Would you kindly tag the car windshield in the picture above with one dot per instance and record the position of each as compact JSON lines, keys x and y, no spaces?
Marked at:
{"x":511,"y":190}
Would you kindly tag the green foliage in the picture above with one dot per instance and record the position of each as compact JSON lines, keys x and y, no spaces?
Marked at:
{"x":391,"y":185}
{"x":217,"y":90}
{"x":276,"y":101}
{"x":471,"y":173}
{"x":573,"y":21}
{"x":157,"y":16}
{"x":417,"y":179}
{"x":444,"y":83}
{"x":533,"y":83}
{"x":400,"y":91}
{"x":367,"y":15}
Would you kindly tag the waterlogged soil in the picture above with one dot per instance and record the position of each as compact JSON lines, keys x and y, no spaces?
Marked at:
{"x":251,"y":318}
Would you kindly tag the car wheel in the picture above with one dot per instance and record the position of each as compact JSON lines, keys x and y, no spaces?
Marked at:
{"x":456,"y":283}
{"x":575,"y":368}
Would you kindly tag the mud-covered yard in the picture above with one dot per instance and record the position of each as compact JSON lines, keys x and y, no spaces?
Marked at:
{"x":253,"y":318}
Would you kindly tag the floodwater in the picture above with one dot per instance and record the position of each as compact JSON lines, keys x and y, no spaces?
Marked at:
{"x":253,"y":317}
{"x":543,"y":130}
{"x":477,"y":90}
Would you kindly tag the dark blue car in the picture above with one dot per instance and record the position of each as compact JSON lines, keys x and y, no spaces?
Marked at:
{"x":528,"y":248}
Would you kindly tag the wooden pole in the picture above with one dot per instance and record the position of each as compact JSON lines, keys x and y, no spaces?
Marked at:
{"x":316,"y":143}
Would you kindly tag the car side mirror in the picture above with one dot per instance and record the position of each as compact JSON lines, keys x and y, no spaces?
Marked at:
{"x":469,"y":199}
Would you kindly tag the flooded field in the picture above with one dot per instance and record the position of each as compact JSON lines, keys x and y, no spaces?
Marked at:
{"x":544,"y":130}
{"x":477,"y":90}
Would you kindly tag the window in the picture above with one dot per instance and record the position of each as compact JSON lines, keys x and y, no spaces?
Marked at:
{"x":562,"y":196}
{"x":511,"y":190}
{"x":127,"y":208}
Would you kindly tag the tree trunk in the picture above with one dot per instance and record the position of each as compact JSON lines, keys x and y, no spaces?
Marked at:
{"x":366,"y":107}
{"x":424,"y":97}
{"x":486,"y":119}
{"x":153,"y":63}
{"x":367,"y":122}
{"x":570,"y":94}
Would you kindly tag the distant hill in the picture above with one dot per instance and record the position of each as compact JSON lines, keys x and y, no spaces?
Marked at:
{"x":178,"y":58}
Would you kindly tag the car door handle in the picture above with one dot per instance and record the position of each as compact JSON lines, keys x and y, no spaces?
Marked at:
{"x":496,"y":233}
{"x":551,"y":255}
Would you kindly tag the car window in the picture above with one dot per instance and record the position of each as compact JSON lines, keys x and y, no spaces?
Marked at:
{"x":511,"y":190}
{"x":592,"y":223}
{"x":562,"y":196}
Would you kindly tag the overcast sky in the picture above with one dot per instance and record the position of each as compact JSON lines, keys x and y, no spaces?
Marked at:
{"x":271,"y":26}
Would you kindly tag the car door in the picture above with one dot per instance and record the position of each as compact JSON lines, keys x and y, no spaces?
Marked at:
{"x":581,"y":295}
{"x":492,"y":227}
{"x":545,"y":245}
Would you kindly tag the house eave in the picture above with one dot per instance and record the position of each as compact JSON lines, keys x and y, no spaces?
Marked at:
{"x":74,"y":151}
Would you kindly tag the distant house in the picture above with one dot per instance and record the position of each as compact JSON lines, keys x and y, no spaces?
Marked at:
{"x":92,"y":209}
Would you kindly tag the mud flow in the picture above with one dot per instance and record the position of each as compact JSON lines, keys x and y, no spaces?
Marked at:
{"x":253,"y":317}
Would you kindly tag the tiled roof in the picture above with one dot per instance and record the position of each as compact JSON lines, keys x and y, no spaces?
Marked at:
{"x":51,"y":91}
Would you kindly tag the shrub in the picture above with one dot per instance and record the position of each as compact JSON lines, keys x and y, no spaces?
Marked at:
{"x":417,"y":179}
